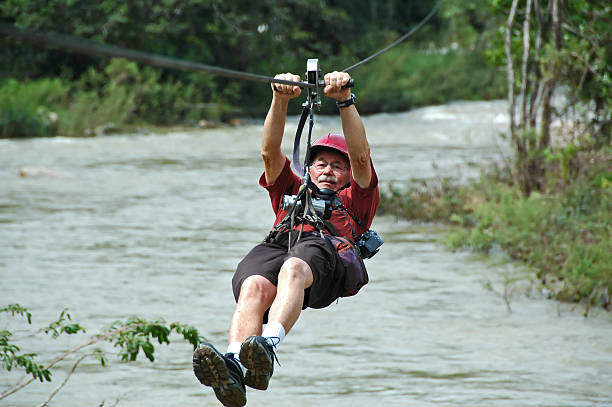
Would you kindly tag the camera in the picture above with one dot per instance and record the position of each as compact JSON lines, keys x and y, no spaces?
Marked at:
{"x":322,"y":207}
{"x":369,"y":243}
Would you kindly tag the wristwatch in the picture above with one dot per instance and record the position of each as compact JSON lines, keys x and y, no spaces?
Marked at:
{"x":347,"y":103}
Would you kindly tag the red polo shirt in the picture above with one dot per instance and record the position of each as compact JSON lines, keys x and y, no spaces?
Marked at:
{"x":360,"y":202}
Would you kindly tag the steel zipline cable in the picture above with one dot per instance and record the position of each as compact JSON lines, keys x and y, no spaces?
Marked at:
{"x":92,"y":48}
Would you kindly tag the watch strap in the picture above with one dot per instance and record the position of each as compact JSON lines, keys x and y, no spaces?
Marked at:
{"x":347,"y":103}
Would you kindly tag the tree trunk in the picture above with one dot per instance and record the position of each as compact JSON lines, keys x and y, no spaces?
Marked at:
{"x":510,"y":69}
{"x":516,"y":132}
{"x":536,"y":89}
{"x":552,"y":82}
{"x":525,"y":81}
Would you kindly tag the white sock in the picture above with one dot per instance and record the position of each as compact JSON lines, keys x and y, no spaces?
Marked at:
{"x":275,"y":332}
{"x":234,"y":349}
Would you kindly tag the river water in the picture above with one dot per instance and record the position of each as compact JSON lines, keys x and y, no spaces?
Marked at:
{"x":153,"y":225}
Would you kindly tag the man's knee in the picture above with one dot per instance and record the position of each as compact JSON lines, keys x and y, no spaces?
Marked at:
{"x":258,"y":289}
{"x":295,"y":269}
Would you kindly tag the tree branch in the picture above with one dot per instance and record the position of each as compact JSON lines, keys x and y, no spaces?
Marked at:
{"x":76,"y":364}
{"x":59,"y":358}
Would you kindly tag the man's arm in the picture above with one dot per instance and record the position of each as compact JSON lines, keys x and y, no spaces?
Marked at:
{"x":352,"y":127}
{"x":274,"y":127}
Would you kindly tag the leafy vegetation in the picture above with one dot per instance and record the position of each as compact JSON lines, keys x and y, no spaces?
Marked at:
{"x":445,"y":62}
{"x":131,"y":337}
{"x":25,"y":108}
{"x":405,"y":78}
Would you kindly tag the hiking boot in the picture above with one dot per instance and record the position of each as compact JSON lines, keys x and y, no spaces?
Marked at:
{"x":257,"y":355}
{"x":222,"y":373}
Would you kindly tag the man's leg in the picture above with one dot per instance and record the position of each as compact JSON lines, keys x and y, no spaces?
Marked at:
{"x":223,"y":372}
{"x":295,"y":276}
{"x":256,"y":296}
{"x":257,"y":352}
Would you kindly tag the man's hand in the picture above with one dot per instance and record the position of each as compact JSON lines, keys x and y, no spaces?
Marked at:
{"x":333,"y":86}
{"x":286,"y":92}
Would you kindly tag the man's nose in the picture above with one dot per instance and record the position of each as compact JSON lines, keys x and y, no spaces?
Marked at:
{"x":328,"y":169}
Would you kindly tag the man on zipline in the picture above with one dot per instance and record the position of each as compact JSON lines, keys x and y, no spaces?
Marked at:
{"x":285,"y":274}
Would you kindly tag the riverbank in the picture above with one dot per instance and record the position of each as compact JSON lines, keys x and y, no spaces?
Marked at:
{"x":562,"y":236}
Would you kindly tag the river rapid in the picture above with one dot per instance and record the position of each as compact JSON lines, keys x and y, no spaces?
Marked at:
{"x":154,"y":225}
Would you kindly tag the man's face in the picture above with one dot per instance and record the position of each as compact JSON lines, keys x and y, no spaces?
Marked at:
{"x":330,"y":170}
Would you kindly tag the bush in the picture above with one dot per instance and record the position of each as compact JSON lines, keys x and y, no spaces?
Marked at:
{"x":29,"y":109}
{"x":121,"y":94}
{"x":405,"y":78}
{"x":101,"y":99}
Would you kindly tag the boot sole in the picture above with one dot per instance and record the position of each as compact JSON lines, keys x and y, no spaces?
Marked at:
{"x":258,"y":363}
{"x":210,"y":369}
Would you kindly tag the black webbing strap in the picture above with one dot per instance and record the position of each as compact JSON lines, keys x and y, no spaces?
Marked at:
{"x":296,"y":142}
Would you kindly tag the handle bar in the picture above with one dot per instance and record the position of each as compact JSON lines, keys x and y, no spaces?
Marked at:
{"x":305,"y":84}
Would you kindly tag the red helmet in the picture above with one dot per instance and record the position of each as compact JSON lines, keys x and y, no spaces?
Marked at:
{"x":335,"y":142}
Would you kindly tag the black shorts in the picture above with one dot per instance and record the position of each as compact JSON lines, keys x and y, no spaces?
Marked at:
{"x":266,"y":259}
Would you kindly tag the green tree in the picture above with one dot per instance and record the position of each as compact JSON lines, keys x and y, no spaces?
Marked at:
{"x":551,"y":47}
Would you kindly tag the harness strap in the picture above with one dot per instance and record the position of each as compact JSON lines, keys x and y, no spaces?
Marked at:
{"x":296,"y":143}
{"x":288,"y":223}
